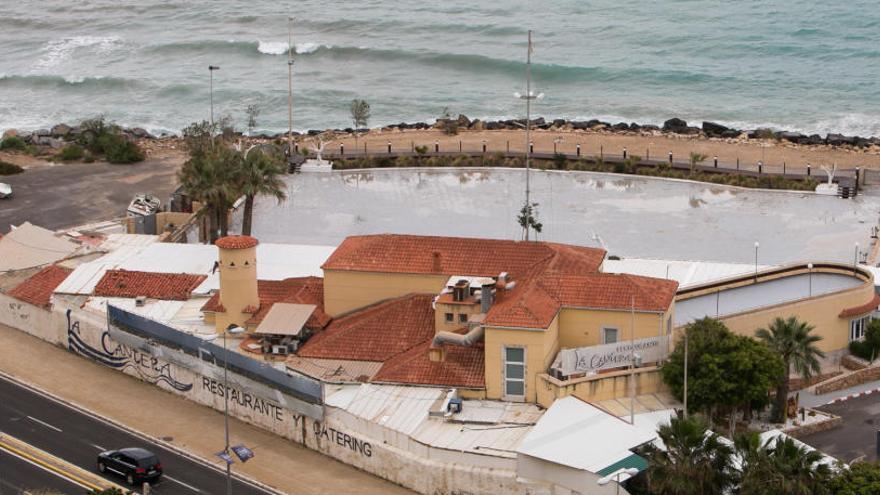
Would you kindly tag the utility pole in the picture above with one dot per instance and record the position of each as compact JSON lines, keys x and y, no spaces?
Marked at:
{"x":290,"y":87}
{"x":685,"y":373}
{"x":529,"y":96}
{"x":632,"y":361}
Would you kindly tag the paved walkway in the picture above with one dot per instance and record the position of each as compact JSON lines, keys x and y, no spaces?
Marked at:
{"x":809,"y":399}
{"x":280,"y":463}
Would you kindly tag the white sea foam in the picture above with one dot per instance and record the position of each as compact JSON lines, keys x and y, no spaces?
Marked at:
{"x":280,"y":47}
{"x":272,"y":47}
{"x":58,"y":51}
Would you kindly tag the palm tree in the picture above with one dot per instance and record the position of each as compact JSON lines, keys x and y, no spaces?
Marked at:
{"x":696,"y":159}
{"x":791,"y":339}
{"x":260,"y":173}
{"x":779,"y":466}
{"x":208,"y":177}
{"x":695,"y":460}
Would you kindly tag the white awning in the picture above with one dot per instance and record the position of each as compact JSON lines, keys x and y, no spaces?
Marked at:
{"x":285,"y":319}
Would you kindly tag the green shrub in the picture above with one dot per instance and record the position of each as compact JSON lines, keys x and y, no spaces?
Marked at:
{"x":88,"y":157}
{"x":12,"y":143}
{"x":71,"y":152}
{"x":421,"y":150}
{"x":117,"y":149}
{"x":10,"y":168}
{"x":559,"y":161}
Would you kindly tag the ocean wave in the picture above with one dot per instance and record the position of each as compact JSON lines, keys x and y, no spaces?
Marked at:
{"x":60,"y":50}
{"x":85,"y":82}
{"x":259,"y":47}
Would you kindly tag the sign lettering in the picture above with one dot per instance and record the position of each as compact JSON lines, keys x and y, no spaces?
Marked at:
{"x":616,"y":355}
{"x":244,"y":399}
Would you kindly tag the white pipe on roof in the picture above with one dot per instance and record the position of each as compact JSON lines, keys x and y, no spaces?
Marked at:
{"x":472,"y":337}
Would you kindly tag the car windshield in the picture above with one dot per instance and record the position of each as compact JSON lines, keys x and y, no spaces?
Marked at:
{"x":148,"y":461}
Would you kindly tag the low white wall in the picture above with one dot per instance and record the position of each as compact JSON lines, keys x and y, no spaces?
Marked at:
{"x":385,"y":453}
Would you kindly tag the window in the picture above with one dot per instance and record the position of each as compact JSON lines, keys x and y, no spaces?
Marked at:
{"x":449,"y":318}
{"x":514,"y":373}
{"x":858,"y":327}
{"x":609,"y":335}
{"x":462,"y":318}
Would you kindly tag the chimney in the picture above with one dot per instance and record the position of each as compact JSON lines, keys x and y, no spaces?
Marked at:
{"x":436,"y":354}
{"x":437,"y":265}
{"x":502,"y":280}
{"x":461,"y":290}
{"x":487,"y":297}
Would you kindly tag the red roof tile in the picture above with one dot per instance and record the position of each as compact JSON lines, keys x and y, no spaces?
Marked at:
{"x":862,"y":309}
{"x":37,"y":289}
{"x":166,"y":286}
{"x":458,"y":255}
{"x":462,"y":367}
{"x":377,"y":332}
{"x":303,"y":290}
{"x":535,"y":302}
{"x":236,"y":242}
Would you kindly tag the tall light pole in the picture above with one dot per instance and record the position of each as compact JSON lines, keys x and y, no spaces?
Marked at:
{"x":211,"y":69}
{"x":529,"y":96}
{"x":757,"y":245}
{"x":235,"y":330}
{"x":630,"y":472}
{"x":632,"y":361}
{"x":685,"y":373}
{"x":290,"y":86}
{"x":856,"y":257}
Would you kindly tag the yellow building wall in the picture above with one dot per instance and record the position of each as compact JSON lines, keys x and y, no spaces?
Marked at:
{"x":541,"y":347}
{"x":238,"y":286}
{"x":821,"y":312}
{"x":345,"y":291}
{"x":440,"y":324}
{"x":583,"y":327}
{"x":604,"y":386}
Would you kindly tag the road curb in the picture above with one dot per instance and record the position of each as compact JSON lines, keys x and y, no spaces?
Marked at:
{"x":853,"y":396}
{"x":177,"y":450}
{"x":52,"y":463}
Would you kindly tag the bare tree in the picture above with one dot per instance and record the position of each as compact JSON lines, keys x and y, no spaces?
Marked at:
{"x":252,"y":111}
{"x":360,"y":116}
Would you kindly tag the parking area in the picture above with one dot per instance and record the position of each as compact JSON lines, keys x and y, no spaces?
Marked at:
{"x":56,"y":196}
{"x":856,"y":438}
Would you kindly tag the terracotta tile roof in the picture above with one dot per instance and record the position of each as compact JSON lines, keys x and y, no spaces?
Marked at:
{"x":236,"y":242}
{"x":37,"y":289}
{"x":463,"y":367}
{"x":393,"y":253}
{"x":166,"y":286}
{"x":302,"y":290}
{"x":534,"y":303}
{"x":375,"y":333}
{"x":861,"y":310}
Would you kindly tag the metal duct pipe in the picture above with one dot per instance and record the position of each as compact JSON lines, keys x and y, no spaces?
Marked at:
{"x":473,"y":336}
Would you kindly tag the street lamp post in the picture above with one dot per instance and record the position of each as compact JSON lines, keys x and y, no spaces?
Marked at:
{"x":630,"y":472}
{"x":235,"y":330}
{"x":685,"y":373}
{"x":810,"y":268}
{"x":856,"y":257}
{"x":290,"y":87}
{"x":757,"y":245}
{"x":211,"y":69}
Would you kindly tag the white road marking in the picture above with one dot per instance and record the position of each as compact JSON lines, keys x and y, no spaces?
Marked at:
{"x":181,"y":483}
{"x":47,"y":425}
{"x":98,"y":447}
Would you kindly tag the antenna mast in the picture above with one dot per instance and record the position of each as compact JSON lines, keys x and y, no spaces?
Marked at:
{"x":290,"y":87}
{"x":528,"y":123}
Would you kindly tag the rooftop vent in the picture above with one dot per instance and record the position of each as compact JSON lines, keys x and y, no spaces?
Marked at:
{"x":140,"y":301}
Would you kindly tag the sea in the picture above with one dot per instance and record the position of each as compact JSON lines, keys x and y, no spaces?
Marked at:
{"x":808,"y":66}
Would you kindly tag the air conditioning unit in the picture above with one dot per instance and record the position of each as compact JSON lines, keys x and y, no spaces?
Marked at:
{"x":281,"y":350}
{"x":140,"y":301}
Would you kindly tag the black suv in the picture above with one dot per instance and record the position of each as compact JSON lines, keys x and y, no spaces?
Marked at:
{"x":135,"y":464}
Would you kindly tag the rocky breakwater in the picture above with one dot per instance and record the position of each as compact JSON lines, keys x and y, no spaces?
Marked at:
{"x":60,"y":134}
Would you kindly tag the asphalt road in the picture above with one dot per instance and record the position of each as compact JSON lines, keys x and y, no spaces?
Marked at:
{"x":61,"y":196}
{"x":18,"y":476}
{"x":856,"y":437}
{"x":78,"y":438}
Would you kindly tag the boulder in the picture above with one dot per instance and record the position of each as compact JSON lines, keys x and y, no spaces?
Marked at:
{"x":559,"y":122}
{"x":634,"y":127}
{"x":478,"y":125}
{"x":675,"y":125}
{"x":579,"y":124}
{"x":141,"y":133}
{"x":838,"y":139}
{"x":650,"y":127}
{"x":539,"y":121}
{"x":730,"y":134}
{"x":597,"y":124}
{"x":815,"y":139}
{"x":49,"y":141}
{"x":463,"y":121}
{"x":691,"y":130}
{"x":60,"y":130}
{"x":792,"y":137}
{"x":494,"y":125}
{"x":42,"y":132}
{"x":714,"y":130}
{"x":10,"y":133}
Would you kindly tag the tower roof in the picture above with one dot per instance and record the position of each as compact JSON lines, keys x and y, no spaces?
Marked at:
{"x":237,"y":242}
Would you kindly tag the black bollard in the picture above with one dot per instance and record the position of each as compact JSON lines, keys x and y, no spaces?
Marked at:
{"x":624,"y":153}
{"x":670,"y":158}
{"x":808,"y":170}
{"x":716,"y":162}
{"x":389,"y":147}
{"x":484,"y":146}
{"x":436,"y":147}
{"x":578,"y":150}
{"x":760,"y":168}
{"x":341,"y":149}
{"x":459,"y":146}
{"x":531,"y":148}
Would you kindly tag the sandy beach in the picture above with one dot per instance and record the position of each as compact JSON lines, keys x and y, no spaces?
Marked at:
{"x":749,"y":152}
